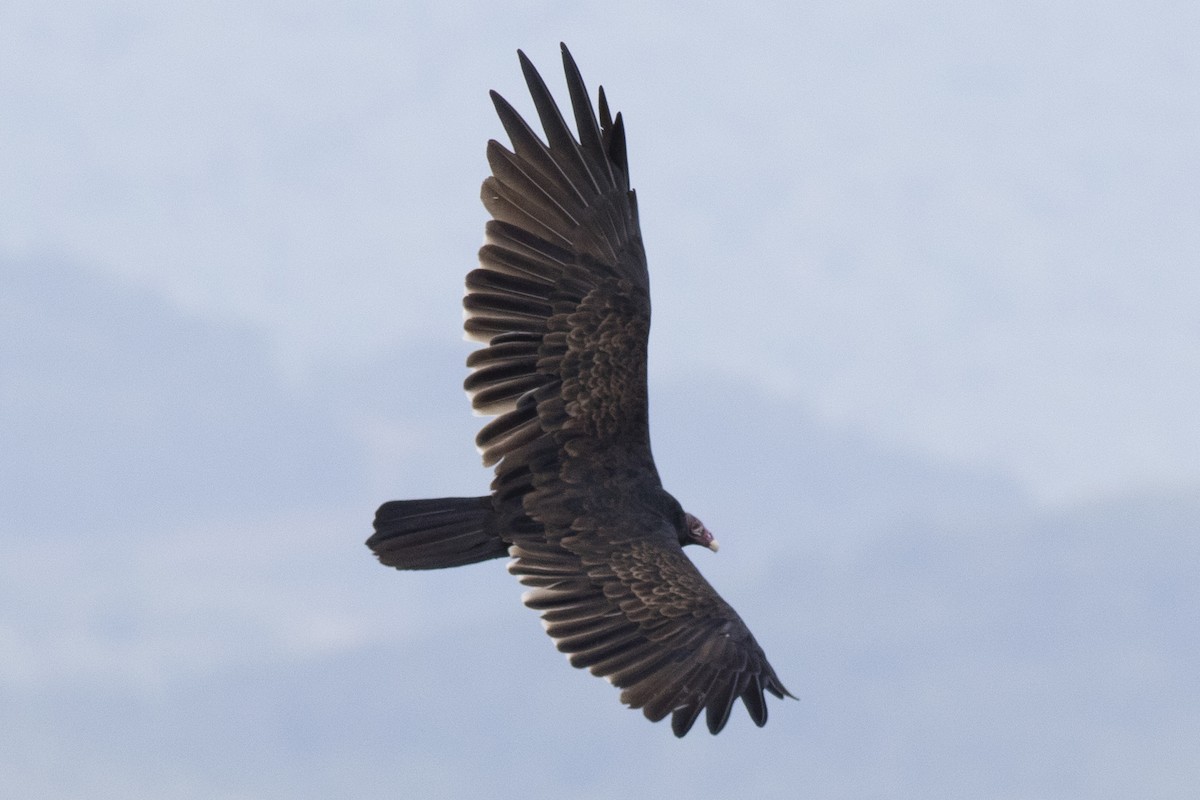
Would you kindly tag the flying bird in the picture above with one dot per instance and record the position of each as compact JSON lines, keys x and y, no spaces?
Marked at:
{"x":561,"y":301}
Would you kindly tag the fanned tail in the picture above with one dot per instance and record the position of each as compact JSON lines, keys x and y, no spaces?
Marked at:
{"x":438,"y":533}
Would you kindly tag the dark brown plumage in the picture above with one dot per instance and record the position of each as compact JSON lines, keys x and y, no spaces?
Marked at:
{"x":562,"y":302}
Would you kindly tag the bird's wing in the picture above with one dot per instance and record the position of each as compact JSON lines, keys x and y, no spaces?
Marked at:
{"x":621,"y":598}
{"x":561,"y":297}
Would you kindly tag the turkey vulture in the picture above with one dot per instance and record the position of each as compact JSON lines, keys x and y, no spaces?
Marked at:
{"x":562,"y":302}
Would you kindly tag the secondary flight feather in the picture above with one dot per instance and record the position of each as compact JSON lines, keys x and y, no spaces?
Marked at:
{"x":561,"y":303}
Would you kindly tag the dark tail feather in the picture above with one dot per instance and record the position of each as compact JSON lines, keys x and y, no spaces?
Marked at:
{"x":432,"y":534}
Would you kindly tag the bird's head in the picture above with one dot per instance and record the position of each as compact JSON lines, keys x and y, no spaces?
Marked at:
{"x":698,"y":534}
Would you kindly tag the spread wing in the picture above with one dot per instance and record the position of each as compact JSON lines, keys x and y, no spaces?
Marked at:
{"x":562,"y":302}
{"x":619,"y":596}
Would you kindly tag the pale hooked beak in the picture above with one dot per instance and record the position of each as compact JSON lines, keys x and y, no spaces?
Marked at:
{"x":700,"y":534}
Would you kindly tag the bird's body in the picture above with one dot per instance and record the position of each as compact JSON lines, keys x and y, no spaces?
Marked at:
{"x":562,"y":302}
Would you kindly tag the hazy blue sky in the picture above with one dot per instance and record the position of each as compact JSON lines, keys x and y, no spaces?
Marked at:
{"x":926,"y":357}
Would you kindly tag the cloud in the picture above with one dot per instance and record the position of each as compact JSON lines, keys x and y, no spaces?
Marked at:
{"x":121,"y":408}
{"x":945,"y":634}
{"x":911,"y":290}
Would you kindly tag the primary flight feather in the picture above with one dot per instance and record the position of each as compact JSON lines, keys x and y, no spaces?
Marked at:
{"x":561,"y":301}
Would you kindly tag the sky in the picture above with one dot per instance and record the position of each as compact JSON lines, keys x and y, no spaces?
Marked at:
{"x":925,"y":357}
